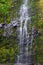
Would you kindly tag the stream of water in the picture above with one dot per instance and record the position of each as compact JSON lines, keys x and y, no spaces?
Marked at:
{"x":24,"y":36}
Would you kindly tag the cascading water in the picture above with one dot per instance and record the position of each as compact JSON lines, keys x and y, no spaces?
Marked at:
{"x":24,"y":36}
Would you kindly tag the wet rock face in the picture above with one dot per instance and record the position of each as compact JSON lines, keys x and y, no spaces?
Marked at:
{"x":25,"y":37}
{"x":0,"y":25}
{"x":8,"y":28}
{"x":35,"y":33}
{"x":23,"y":64}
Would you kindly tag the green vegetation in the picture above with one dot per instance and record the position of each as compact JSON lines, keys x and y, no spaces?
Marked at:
{"x":9,"y":45}
{"x":8,"y":9}
{"x":37,"y":22}
{"x":8,"y":49}
{"x":5,"y":5}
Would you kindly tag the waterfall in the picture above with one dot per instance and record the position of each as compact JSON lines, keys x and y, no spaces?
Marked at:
{"x":23,"y":34}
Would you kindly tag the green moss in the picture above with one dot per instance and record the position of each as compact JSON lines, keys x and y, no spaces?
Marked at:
{"x":1,"y":31}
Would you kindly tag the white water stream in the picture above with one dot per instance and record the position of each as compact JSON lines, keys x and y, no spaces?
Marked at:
{"x":23,"y":44}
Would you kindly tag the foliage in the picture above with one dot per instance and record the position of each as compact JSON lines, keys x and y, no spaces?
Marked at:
{"x":8,"y":50}
{"x":5,"y":5}
{"x":9,"y":9}
{"x":37,"y":21}
{"x":8,"y":45}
